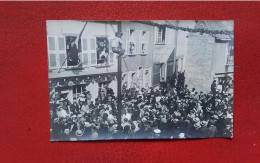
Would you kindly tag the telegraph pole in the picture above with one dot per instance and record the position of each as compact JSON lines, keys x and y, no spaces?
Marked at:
{"x":119,"y":80}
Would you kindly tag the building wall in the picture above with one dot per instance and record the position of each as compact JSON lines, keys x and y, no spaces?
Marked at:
{"x":199,"y":62}
{"x":131,"y":63}
{"x":182,"y":43}
{"x":170,"y":63}
{"x":93,"y":29}
{"x":219,"y":57}
{"x":204,"y":58}
{"x":139,"y":63}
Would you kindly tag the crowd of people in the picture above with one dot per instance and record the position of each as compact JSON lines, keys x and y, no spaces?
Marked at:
{"x":172,"y":111}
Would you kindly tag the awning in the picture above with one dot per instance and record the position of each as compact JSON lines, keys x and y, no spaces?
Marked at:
{"x":162,"y":53}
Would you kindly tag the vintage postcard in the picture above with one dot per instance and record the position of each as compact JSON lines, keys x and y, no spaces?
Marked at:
{"x":161,"y":79}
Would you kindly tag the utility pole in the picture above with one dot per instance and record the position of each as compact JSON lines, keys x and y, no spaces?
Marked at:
{"x":119,"y":80}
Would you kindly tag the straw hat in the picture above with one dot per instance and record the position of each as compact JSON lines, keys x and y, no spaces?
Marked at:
{"x":79,"y":133}
{"x":157,"y":131}
{"x":181,"y":135}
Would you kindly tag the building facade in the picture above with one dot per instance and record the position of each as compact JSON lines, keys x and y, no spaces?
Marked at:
{"x":150,"y":54}
{"x":209,"y":55}
{"x":149,"y":58}
{"x":86,"y":71}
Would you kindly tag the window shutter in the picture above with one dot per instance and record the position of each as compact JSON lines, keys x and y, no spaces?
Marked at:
{"x":51,"y":43}
{"x":93,"y":51}
{"x":52,"y":58}
{"x":111,"y":58}
{"x":167,"y":35}
{"x":52,"y":54}
{"x":155,"y":34}
{"x":125,"y":79}
{"x":147,"y":42}
{"x":62,"y":51}
{"x":85,"y":52}
{"x":110,"y":44}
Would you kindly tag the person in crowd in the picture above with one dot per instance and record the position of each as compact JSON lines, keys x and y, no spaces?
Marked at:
{"x":167,"y":112}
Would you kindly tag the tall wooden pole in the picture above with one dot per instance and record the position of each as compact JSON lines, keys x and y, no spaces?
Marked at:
{"x":119,"y":80}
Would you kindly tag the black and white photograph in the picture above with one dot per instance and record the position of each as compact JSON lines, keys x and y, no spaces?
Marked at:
{"x":145,"y":79}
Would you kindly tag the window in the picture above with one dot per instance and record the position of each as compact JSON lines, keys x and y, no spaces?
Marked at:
{"x":132,"y":39}
{"x":146,"y":78}
{"x":64,"y":51}
{"x":77,"y":90}
{"x":132,"y":79}
{"x":162,"y":35}
{"x":125,"y":80}
{"x":231,"y":54}
{"x":72,"y":51}
{"x":163,"y":72}
{"x":139,"y":77}
{"x":56,"y":51}
{"x":88,"y":55}
{"x":143,"y":42}
{"x":102,"y":50}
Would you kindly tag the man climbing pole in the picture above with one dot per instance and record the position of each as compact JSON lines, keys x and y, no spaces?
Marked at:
{"x":117,"y":44}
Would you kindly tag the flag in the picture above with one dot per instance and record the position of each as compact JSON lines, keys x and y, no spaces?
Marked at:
{"x":78,"y":39}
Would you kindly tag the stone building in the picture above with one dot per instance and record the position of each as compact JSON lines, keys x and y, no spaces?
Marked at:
{"x":208,"y":55}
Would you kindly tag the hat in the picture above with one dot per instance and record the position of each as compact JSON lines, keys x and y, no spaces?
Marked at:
{"x":87,"y":124}
{"x":164,"y":120}
{"x":196,"y":119}
{"x":81,"y":95}
{"x":67,"y":131}
{"x":175,"y":120}
{"x":79,"y":133}
{"x":61,"y":99}
{"x":144,"y":119}
{"x":157,"y":131}
{"x":56,"y":120}
{"x":187,"y":121}
{"x":197,"y":125}
{"x":79,"y":115}
{"x":181,"y":135}
{"x":82,"y":119}
{"x":94,"y":136}
{"x":229,"y":116}
{"x":81,"y":99}
{"x":215,"y":116}
{"x":204,"y":123}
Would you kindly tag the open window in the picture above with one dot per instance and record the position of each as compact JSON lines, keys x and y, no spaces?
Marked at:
{"x":72,"y":51}
{"x":146,"y":78}
{"x":163,"y":72}
{"x":132,"y":40}
{"x":125,"y":81}
{"x":77,"y":90}
{"x":143,"y":42}
{"x":162,"y":35}
{"x":102,"y":50}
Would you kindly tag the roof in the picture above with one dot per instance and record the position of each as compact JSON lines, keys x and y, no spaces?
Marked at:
{"x":162,"y":53}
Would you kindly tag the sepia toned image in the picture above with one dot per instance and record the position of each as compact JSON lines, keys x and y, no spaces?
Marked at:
{"x":161,"y":79}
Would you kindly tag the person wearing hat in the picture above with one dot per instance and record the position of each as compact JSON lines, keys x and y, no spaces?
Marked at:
{"x":157,"y":133}
{"x":74,"y":108}
{"x":117,"y":44}
{"x":204,"y":129}
{"x":81,"y":99}
{"x":212,"y":130}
